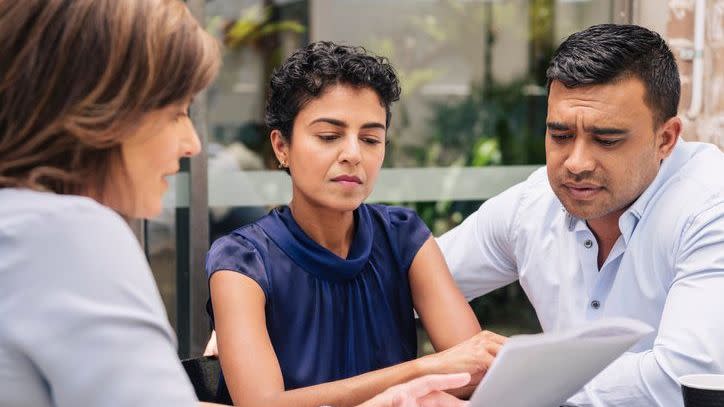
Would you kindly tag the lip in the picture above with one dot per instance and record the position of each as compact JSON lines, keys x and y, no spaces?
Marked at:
{"x":583,"y":191}
{"x":347,"y":179}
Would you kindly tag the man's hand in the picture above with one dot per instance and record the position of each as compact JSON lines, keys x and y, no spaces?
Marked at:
{"x":426,"y":391}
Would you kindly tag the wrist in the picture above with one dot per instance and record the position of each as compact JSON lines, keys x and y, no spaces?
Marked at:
{"x":426,"y":365}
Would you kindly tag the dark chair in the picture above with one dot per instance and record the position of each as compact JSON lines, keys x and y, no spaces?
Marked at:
{"x":205,"y":375}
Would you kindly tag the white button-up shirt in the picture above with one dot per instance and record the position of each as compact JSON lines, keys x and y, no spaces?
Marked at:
{"x":666,"y":269}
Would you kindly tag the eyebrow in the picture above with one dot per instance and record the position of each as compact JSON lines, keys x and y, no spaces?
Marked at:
{"x":557,"y":126}
{"x":599,"y":131}
{"x":604,"y":131}
{"x":340,"y":123}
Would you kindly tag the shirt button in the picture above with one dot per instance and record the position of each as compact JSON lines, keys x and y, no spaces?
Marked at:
{"x":588,"y":243}
{"x":595,"y":304}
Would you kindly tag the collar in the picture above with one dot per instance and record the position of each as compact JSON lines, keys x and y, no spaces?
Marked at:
{"x":313,"y":258}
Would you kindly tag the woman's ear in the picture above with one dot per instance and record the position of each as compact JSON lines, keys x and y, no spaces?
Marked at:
{"x":280,"y":146}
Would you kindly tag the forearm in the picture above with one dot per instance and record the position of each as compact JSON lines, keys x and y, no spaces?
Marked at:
{"x":346,"y":392}
{"x":633,"y":379}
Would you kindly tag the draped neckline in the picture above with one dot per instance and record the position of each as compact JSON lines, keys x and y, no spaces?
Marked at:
{"x":312,"y":257}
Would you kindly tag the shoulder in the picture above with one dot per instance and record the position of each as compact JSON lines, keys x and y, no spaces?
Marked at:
{"x":73,"y":252}
{"x":397,"y":220}
{"x":239,"y":251}
{"x":403,"y":228}
{"x":235,"y":243}
{"x":535,"y":192}
{"x":63,"y":225}
{"x":700,"y":174}
{"x":22,"y":209}
{"x":532,"y":199}
{"x":243,"y":250}
{"x":244,"y":238}
{"x":391,"y":214}
{"x":694,"y":186}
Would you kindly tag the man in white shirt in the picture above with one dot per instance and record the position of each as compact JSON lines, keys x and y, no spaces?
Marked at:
{"x":625,"y":220}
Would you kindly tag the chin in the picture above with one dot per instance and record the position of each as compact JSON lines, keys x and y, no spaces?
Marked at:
{"x":586,"y":213}
{"x":148,"y":210}
{"x":152,"y":212}
{"x":343,"y":204}
{"x":347,"y":207}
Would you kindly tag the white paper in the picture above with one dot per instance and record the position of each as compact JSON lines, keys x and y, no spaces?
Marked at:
{"x":544,"y":370}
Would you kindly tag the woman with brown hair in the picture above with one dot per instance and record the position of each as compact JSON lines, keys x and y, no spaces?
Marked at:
{"x":94,"y":99}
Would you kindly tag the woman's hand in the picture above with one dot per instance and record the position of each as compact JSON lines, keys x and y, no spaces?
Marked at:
{"x":453,"y":329}
{"x":424,"y":391}
{"x":474,"y":356}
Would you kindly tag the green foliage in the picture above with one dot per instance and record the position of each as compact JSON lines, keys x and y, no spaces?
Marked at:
{"x":499,"y":115}
{"x":506,"y":311}
{"x":486,"y":152}
{"x":254,"y":24}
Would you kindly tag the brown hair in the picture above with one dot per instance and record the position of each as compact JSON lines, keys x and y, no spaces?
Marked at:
{"x":75,"y":75}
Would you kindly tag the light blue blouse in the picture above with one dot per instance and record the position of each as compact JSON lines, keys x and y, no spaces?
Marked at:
{"x":81,"y":319}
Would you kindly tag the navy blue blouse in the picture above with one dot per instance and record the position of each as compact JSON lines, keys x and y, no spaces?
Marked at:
{"x":331,"y":318}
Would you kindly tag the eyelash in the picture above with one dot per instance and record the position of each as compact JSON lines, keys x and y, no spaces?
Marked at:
{"x":560,"y":138}
{"x":607,"y":143}
{"x":328,"y":137}
{"x":332,"y":137}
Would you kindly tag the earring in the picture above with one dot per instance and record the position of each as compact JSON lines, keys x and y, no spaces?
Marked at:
{"x":282,"y":165}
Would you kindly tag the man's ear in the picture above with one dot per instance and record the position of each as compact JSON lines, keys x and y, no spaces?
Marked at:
{"x":667,"y":136}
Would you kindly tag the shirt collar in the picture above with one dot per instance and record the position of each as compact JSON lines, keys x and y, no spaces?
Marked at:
{"x":629,"y":220}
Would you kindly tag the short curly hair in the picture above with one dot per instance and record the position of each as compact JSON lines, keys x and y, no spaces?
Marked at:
{"x":309,"y":71}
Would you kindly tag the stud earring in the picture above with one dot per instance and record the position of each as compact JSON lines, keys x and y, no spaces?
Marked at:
{"x":282,"y":165}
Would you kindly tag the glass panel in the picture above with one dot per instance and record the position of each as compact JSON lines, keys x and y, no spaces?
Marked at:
{"x":474,"y":95}
{"x":161,"y":252}
{"x":257,"y":35}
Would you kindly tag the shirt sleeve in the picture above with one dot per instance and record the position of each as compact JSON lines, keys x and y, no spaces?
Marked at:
{"x":691,"y":331}
{"x":409,"y":234}
{"x":90,"y":318}
{"x":233,"y":252}
{"x":479,"y":251}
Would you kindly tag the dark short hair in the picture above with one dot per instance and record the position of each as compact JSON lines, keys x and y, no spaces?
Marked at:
{"x":606,"y":53}
{"x":309,"y":71}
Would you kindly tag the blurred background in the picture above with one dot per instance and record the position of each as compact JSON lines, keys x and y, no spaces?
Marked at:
{"x":470,"y":122}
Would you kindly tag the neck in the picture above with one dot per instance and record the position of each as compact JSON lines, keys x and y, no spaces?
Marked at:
{"x":109,"y":194}
{"x":332,"y":229}
{"x":606,"y":231}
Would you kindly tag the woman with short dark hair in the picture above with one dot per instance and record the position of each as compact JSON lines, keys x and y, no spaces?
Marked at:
{"x":318,"y":296}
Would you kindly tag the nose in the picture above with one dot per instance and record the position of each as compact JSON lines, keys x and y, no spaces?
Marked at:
{"x":580,"y":159}
{"x":350,"y":151}
{"x":190,"y":143}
